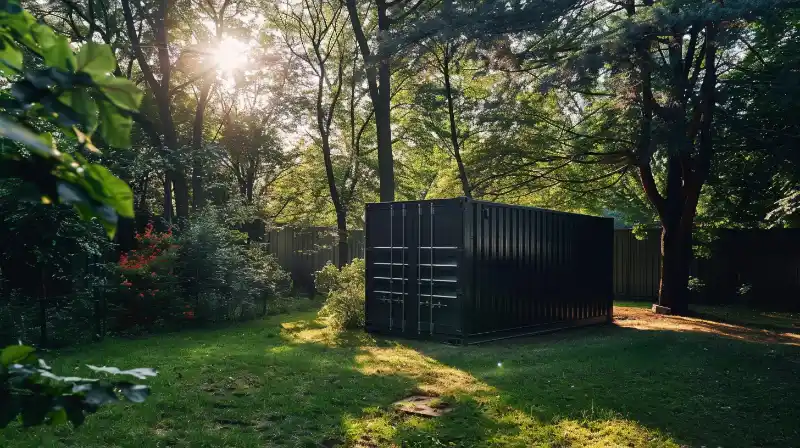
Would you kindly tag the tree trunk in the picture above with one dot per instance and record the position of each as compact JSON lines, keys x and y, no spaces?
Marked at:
{"x":341,"y":227}
{"x":383,"y":112}
{"x":462,"y":172}
{"x":161,"y":92}
{"x":180,"y":186}
{"x":168,"y":211}
{"x":676,"y":250}
{"x":379,"y":91}
{"x":198,"y":198}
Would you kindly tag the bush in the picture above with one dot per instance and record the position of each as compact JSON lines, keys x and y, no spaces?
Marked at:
{"x":224,"y":276}
{"x":326,"y":279}
{"x":344,"y":304}
{"x":206,"y":273}
{"x":148,"y":296}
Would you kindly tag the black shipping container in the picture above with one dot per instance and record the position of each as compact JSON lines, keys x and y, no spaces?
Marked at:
{"x":467,"y":271}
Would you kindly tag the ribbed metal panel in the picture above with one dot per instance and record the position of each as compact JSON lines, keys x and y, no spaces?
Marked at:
{"x":467,"y":270}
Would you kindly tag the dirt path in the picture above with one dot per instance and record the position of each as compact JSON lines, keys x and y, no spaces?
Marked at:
{"x":644,"y":319}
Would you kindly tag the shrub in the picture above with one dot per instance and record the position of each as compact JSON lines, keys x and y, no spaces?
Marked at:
{"x":344,"y":304}
{"x":223,"y":276}
{"x":204,"y":273}
{"x":148,"y":296}
{"x":326,"y":279}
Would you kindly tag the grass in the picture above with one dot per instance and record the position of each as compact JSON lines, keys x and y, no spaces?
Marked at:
{"x":287,"y":381}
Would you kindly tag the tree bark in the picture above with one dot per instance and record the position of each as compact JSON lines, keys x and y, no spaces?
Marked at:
{"x":198,"y":197}
{"x":462,"y":172}
{"x":169,"y":212}
{"x":379,"y":81}
{"x":676,"y":253}
{"x":324,"y":127}
{"x":687,"y":160}
{"x":342,"y":234}
{"x":160,"y":88}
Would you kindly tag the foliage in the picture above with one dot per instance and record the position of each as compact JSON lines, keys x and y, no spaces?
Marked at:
{"x":51,"y":268}
{"x":344,"y":304}
{"x":52,"y":88}
{"x":32,"y":393}
{"x":73,"y":93}
{"x":205,"y":273}
{"x":221,"y":275}
{"x":327,"y":279}
{"x":148,"y":296}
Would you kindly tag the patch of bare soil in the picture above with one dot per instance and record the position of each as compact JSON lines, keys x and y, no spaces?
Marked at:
{"x":644,"y":319}
{"x":422,"y":405}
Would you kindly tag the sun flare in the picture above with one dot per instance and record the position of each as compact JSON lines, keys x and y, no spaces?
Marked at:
{"x":230,"y":55}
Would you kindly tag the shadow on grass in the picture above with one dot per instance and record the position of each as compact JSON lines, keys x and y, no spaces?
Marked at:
{"x":287,"y":381}
{"x":253,"y":385}
{"x":693,"y":388}
{"x":761,"y":319}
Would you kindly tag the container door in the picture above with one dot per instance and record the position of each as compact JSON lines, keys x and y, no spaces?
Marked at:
{"x":412,"y":260}
{"x":387,"y":260}
{"x":438,"y":247}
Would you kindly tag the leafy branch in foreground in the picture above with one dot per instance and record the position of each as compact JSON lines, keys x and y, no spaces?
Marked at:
{"x":75,"y":94}
{"x":30,"y":390}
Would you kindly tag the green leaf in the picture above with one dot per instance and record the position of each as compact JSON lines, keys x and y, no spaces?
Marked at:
{"x":26,"y":92}
{"x":57,"y":417}
{"x":109,"y":189}
{"x":15,"y":354}
{"x":136,"y":393}
{"x":55,"y":48}
{"x":87,"y":207}
{"x":63,"y":114}
{"x":11,"y":6}
{"x":21,"y":134}
{"x":122,"y":92}
{"x":140,"y":373}
{"x":96,"y":59}
{"x":115,"y":128}
{"x":100,"y":394}
{"x":82,"y":103}
{"x":21,"y":25}
{"x":10,"y":58}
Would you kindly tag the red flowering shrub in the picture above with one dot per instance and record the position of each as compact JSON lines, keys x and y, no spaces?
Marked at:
{"x":149,"y":293}
{"x":206,"y":273}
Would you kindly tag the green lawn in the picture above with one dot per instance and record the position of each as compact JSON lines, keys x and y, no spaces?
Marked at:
{"x":286,"y":381}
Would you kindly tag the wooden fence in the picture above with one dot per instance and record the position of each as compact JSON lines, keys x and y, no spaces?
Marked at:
{"x":749,"y":267}
{"x":755,"y":267}
{"x":305,"y":251}
{"x":636,"y":265}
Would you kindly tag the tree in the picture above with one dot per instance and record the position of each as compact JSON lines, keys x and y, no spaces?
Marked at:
{"x":377,"y":65}
{"x":254,"y":154}
{"x":315,"y":35}
{"x":156,"y":19}
{"x":644,"y":78}
{"x":224,"y":15}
